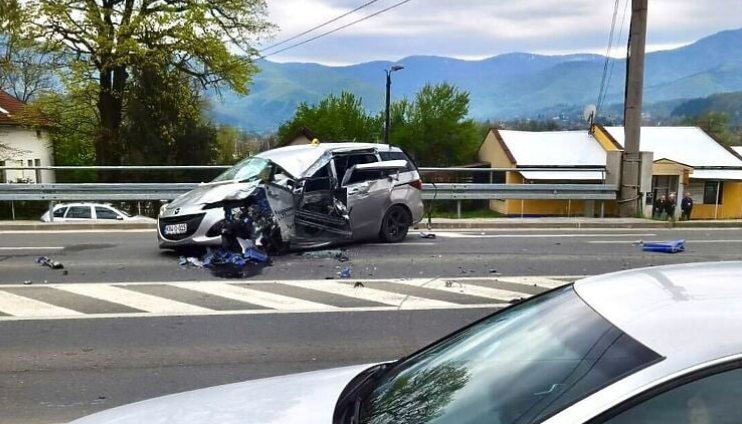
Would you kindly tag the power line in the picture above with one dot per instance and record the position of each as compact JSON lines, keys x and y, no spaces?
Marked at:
{"x":613,"y":60}
{"x":607,"y":56}
{"x":322,"y":25}
{"x":324,"y":34}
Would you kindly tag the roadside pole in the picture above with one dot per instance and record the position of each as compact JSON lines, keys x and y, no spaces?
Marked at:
{"x":629,"y":194}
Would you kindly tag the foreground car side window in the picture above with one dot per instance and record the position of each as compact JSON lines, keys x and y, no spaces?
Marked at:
{"x":518,"y":366}
{"x":711,"y":400}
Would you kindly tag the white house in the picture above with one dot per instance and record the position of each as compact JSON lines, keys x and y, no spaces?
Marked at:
{"x":22,"y":146}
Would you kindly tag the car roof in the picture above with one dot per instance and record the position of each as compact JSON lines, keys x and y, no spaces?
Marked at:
{"x":690,"y":313}
{"x":297,"y":159}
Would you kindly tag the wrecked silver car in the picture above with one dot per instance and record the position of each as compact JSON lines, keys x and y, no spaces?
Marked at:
{"x":301,"y":197}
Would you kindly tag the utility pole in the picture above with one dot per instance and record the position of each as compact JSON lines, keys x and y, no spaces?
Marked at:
{"x":387,"y":113}
{"x":630,"y":198}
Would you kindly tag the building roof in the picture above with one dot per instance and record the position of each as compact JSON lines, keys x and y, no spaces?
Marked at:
{"x":687,"y":145}
{"x":554,"y":148}
{"x":9,"y":108}
{"x":302,"y":131}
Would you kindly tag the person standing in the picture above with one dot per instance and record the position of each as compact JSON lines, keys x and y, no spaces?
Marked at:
{"x":686,"y":206}
{"x":658,"y":207}
{"x":670,"y":206}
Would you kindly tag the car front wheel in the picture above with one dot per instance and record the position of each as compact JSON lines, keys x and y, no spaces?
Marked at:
{"x":396,"y":223}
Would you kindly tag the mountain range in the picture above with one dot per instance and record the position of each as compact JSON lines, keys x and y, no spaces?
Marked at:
{"x":508,"y":86}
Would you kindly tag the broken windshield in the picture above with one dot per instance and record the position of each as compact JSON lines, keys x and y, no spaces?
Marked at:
{"x":249,"y":169}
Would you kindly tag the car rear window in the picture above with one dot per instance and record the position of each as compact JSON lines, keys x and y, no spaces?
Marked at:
{"x":518,"y":366}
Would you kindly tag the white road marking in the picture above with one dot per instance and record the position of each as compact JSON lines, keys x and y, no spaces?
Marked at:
{"x":465,"y":235}
{"x":32,"y":248}
{"x":637,"y":242}
{"x":545,"y":282}
{"x":22,"y":306}
{"x":132,"y":299}
{"x":401,"y":301}
{"x":255,"y":297}
{"x":452,"y":286}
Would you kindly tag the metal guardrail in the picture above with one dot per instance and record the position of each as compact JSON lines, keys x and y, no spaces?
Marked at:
{"x":169,"y":191}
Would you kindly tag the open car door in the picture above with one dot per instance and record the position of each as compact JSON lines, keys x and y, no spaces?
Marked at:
{"x":320,"y":218}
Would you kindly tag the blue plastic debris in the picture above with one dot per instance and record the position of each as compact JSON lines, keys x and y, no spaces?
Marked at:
{"x":345,"y":272}
{"x":673,"y":246}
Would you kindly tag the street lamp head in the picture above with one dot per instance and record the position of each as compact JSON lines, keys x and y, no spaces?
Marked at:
{"x":397,"y":68}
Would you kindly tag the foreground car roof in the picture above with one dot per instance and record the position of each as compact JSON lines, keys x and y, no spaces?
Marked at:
{"x":297,"y":159}
{"x":690,"y":313}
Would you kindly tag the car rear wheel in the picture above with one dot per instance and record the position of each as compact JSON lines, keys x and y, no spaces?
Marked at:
{"x":396,"y":223}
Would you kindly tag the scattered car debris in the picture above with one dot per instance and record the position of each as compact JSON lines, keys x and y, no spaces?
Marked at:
{"x":493,"y":271}
{"x":339,"y":254}
{"x":358,"y":285}
{"x":45,"y":261}
{"x":673,"y":246}
{"x":185,"y":262}
{"x":427,"y":235}
{"x":345,"y":272}
{"x":28,"y":282}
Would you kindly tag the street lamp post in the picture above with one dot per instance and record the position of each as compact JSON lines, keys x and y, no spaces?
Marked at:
{"x":389,"y":71}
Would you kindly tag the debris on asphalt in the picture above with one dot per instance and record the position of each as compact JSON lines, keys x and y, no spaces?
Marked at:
{"x":65,"y":272}
{"x":673,"y":246}
{"x":427,"y":235}
{"x":186,"y":262}
{"x":28,"y":282}
{"x":358,"y":285}
{"x":339,"y":254}
{"x":45,"y":261}
{"x":345,"y":272}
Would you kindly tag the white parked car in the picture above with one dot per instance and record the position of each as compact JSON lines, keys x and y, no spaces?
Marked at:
{"x":75,"y":212}
{"x":658,"y":345}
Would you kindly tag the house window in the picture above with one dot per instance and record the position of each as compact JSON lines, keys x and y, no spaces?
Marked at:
{"x":37,"y":162}
{"x":3,"y":178}
{"x":38,"y":133}
{"x":713,"y":192}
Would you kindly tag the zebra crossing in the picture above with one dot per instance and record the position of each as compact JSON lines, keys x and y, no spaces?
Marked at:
{"x":224,"y":297}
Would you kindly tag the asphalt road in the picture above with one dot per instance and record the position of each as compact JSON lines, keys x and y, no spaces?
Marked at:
{"x":133,"y":256}
{"x":56,"y":367}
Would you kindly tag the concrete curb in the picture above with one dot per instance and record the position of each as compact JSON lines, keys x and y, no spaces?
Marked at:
{"x":440,"y":224}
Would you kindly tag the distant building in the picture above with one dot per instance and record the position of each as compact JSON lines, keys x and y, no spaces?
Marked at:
{"x":685,"y":160}
{"x":302,"y":136}
{"x":27,"y":146}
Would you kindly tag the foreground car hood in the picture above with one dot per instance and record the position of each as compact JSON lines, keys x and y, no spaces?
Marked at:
{"x":294,"y":399}
{"x":210,"y":193}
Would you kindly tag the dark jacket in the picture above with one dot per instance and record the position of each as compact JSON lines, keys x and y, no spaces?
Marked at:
{"x":686,"y":204}
{"x":659,"y":206}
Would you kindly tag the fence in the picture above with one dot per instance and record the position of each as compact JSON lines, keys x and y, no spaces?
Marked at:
{"x":431,"y":191}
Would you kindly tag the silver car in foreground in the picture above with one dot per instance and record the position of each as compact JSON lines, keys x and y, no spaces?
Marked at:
{"x":659,"y":345}
{"x":316,"y":194}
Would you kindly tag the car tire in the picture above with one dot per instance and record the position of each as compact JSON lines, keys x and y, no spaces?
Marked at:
{"x":395,"y":224}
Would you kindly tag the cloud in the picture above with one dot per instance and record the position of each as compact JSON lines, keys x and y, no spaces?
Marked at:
{"x":482,"y":28}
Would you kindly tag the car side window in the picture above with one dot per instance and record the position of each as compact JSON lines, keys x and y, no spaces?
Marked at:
{"x":79,"y":212}
{"x":345,"y":162}
{"x":59,"y":213}
{"x":392,"y":155}
{"x":714,"y":399}
{"x":105,"y":213}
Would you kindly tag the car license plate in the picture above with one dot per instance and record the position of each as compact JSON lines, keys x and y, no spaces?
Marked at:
{"x":176,"y":229}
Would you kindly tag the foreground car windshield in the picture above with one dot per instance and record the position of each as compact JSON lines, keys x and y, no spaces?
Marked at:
{"x":246,"y":170}
{"x":518,"y":366}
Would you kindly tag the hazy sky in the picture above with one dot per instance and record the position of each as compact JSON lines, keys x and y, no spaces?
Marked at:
{"x":473,"y":29}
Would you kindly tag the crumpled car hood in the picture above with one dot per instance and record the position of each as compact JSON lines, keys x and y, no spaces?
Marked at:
{"x":294,"y":399}
{"x":210,"y":193}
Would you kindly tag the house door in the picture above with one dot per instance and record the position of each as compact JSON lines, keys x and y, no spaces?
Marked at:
{"x":663,"y":185}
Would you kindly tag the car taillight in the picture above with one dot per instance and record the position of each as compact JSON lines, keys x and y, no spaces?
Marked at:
{"x":418,"y":184}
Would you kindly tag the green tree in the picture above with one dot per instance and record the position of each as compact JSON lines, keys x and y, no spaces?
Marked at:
{"x":417,"y":399}
{"x":107,"y":41}
{"x":435,"y":128}
{"x":716,"y":124}
{"x":334,"y":118}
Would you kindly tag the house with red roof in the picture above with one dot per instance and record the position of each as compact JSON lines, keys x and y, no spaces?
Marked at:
{"x":22,"y":146}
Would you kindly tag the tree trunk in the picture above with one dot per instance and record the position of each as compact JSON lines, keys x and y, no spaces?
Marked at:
{"x":110,"y":108}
